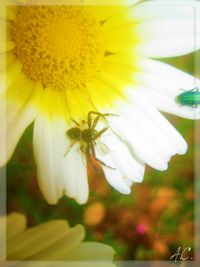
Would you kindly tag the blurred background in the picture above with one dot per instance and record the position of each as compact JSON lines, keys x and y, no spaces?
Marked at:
{"x":149,"y":224}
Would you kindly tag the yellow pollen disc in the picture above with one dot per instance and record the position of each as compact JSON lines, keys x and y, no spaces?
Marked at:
{"x":60,"y":46}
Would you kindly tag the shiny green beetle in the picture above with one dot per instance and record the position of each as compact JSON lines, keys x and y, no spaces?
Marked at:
{"x":189,"y":98}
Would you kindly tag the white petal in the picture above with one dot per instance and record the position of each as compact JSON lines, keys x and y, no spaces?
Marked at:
{"x":99,"y":252}
{"x":17,"y":127}
{"x":159,"y":41}
{"x":120,"y":183}
{"x":48,"y":241}
{"x":153,"y":145}
{"x":162,"y":83}
{"x":15,"y":117}
{"x":58,"y":174}
{"x":139,"y":144}
{"x":121,"y":171}
{"x":6,"y":60}
{"x":113,"y":7}
{"x":3,"y":235}
{"x":110,"y":3}
{"x":158,"y":9}
{"x":16,"y":224}
{"x":172,"y":34}
{"x":3,"y":134}
{"x":9,"y":75}
{"x":129,"y":166}
{"x":168,"y":104}
{"x":46,"y":149}
{"x":75,"y":175}
{"x":51,"y":145}
{"x":141,"y":127}
{"x":121,"y":19}
{"x":148,"y":11}
{"x":159,"y":122}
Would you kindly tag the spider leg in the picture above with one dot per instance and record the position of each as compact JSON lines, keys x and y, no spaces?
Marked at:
{"x":88,"y":150}
{"x":101,"y":114}
{"x":98,"y":160}
{"x":192,"y":90}
{"x":75,"y":122}
{"x":89,"y":119}
{"x":92,"y":149}
{"x":183,"y":89}
{"x":95,"y":122}
{"x":98,"y":116}
{"x":84,"y":122}
{"x":100,"y":132}
{"x":104,"y":164}
{"x":97,"y":119}
{"x":68,"y":149}
{"x":195,"y":89}
{"x":90,"y":124}
{"x":93,"y":165}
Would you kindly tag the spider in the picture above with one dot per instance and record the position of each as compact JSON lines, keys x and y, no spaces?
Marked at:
{"x":87,"y":135}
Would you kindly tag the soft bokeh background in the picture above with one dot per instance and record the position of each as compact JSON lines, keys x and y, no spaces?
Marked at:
{"x":149,"y":224}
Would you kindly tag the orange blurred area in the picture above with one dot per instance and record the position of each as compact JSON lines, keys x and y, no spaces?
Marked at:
{"x":96,"y":176}
{"x":94,"y":214}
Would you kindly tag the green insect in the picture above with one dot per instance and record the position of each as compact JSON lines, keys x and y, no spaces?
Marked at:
{"x":87,"y":135}
{"x":189,"y":98}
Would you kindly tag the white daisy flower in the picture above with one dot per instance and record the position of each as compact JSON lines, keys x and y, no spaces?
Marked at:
{"x":67,"y":60}
{"x":50,"y":241}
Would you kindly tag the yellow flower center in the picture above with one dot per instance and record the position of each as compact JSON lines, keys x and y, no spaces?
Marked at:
{"x":60,"y":46}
